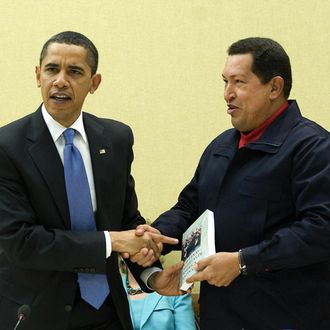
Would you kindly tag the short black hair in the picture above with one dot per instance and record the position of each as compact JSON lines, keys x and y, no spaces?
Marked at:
{"x":74,"y":38}
{"x":269,"y":59}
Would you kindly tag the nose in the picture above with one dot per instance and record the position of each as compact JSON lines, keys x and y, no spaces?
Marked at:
{"x":61,"y":80}
{"x":229,"y":92}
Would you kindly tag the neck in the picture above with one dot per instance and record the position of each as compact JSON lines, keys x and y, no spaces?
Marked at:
{"x":133,"y":288}
{"x":132,"y":281}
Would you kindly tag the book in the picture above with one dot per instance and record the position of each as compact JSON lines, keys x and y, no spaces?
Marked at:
{"x":197,"y":243}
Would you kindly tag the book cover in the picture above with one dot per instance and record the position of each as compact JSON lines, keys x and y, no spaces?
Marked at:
{"x":197,"y":243}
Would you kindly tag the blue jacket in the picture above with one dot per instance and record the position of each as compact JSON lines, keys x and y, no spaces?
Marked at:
{"x":272,"y":200}
{"x":165,"y":313}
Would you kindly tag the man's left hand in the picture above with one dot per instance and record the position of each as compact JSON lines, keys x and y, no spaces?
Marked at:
{"x":167,"y":282}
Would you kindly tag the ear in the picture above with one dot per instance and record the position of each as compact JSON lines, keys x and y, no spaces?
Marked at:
{"x":96,"y":80}
{"x":37,"y":72}
{"x":277,"y":85}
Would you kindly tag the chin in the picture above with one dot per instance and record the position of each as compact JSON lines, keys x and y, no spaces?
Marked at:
{"x":236,"y":125}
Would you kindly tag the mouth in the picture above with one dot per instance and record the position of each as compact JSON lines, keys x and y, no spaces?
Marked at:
{"x":231,"y":108}
{"x":60,"y":97}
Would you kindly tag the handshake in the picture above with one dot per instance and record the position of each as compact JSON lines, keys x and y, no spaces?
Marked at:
{"x":142,"y":245}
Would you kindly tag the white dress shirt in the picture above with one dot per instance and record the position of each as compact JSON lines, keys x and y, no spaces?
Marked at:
{"x":80,"y":141}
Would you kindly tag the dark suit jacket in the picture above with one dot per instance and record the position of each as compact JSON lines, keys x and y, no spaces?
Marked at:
{"x":272,"y":200}
{"x":40,"y":255}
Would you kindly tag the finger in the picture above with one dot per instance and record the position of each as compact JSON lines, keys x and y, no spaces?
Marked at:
{"x":150,"y":262}
{"x":188,"y":290}
{"x":160,"y":246}
{"x":150,"y":254}
{"x":125,"y":255}
{"x":148,"y":259}
{"x":147,"y":264}
{"x":140,"y":255}
{"x":196,"y":277}
{"x":144,"y":251}
{"x":158,"y":238}
{"x":153,"y":230}
{"x":153,"y":246}
{"x":201,"y":264}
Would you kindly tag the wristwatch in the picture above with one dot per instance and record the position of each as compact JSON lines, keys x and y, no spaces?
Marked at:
{"x":242,"y":265}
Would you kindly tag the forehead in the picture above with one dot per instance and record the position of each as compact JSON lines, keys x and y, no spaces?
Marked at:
{"x":60,"y":52}
{"x":240,"y":64}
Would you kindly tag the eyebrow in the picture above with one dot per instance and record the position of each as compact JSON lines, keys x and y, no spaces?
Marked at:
{"x":76,"y":67}
{"x":71,"y":66}
{"x":234,"y":76}
{"x":51,"y":65}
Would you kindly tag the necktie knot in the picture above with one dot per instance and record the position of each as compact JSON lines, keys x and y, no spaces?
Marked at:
{"x":68,"y":135}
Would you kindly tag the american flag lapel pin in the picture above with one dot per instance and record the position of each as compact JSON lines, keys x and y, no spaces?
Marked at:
{"x":102,"y":151}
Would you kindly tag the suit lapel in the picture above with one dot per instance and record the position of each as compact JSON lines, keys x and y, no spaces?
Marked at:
{"x":100,"y":147}
{"x":45,"y":156}
{"x":150,"y":302}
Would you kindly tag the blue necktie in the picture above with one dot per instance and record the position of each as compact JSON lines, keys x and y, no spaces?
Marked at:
{"x":94,"y":288}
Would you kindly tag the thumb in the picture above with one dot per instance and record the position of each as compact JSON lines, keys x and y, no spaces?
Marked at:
{"x":201,"y":264}
{"x":139,"y":230}
{"x":175,"y":268}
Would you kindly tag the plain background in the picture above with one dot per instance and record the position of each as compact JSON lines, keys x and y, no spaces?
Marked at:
{"x":161,"y":62}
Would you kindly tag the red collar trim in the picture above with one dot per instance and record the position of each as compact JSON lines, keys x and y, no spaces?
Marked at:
{"x":257,"y":132}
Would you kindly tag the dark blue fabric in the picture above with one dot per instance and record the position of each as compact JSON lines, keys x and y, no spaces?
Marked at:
{"x":93,"y":287}
{"x":272,"y":200}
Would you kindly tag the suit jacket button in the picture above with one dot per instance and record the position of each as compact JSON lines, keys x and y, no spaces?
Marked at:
{"x":68,"y":308}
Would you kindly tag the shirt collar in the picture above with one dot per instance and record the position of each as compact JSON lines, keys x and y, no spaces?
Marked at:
{"x":257,"y":133}
{"x":56,"y":129}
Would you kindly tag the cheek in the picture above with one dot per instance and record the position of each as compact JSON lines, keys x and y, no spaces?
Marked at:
{"x":80,"y":93}
{"x":45,"y":84}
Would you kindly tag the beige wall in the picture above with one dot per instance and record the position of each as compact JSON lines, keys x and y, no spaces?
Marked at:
{"x":161,"y":62}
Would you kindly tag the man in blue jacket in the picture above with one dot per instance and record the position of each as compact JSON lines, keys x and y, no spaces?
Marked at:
{"x":267,"y":180}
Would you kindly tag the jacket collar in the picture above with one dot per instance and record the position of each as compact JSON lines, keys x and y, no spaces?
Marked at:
{"x":45,"y":156}
{"x":270,"y":141}
{"x":278,"y":131}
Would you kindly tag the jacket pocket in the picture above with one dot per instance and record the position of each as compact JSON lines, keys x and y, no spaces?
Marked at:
{"x":259,"y":188}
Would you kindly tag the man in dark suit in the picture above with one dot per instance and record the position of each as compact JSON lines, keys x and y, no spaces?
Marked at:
{"x":41,"y":255}
{"x":267,"y":180}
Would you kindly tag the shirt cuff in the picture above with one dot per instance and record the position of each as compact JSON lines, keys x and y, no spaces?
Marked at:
{"x":108,"y":245}
{"x":145,"y":275}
